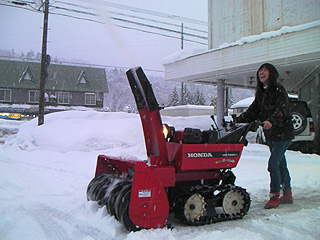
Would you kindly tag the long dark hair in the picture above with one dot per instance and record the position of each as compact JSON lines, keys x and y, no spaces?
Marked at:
{"x":273,"y":77}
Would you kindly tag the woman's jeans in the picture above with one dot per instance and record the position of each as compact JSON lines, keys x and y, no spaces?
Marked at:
{"x":277,"y":166}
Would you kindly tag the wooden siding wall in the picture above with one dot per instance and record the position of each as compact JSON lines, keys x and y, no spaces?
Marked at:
{"x":230,"y":20}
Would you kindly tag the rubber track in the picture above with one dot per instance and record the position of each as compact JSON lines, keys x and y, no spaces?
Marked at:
{"x":208,"y":193}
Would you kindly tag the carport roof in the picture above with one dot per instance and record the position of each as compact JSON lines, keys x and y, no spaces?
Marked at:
{"x":295,"y":51}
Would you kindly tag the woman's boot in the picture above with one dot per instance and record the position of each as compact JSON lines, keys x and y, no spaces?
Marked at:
{"x":274,"y":200}
{"x":287,"y":198}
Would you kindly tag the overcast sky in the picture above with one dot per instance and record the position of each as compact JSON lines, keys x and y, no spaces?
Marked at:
{"x":96,"y":43}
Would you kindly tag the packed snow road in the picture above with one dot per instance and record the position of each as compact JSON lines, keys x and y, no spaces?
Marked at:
{"x":44,"y":173}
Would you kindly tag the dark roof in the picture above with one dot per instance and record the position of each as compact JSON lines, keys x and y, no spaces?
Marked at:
{"x":22,"y":74}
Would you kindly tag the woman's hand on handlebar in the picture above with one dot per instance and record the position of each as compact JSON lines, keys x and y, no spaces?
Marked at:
{"x":267,"y":125}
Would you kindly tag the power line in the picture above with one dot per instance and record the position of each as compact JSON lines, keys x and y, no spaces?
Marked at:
{"x":131,"y":28}
{"x":133,"y":22}
{"x":21,"y":4}
{"x":157,"y":21}
{"x":16,"y":6}
{"x":28,"y":3}
{"x":130,"y":15}
{"x":154,"y":13}
{"x":164,"y":35}
{"x":130,"y":21}
{"x":159,"y":28}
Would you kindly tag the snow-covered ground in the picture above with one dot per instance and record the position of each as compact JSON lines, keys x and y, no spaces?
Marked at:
{"x":44,"y":173}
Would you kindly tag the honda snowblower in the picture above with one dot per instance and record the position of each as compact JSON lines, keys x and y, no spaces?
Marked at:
{"x":187,"y":173}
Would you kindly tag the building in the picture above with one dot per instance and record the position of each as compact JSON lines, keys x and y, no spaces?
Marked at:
{"x":245,"y":34}
{"x":187,"y":110}
{"x":65,"y":85}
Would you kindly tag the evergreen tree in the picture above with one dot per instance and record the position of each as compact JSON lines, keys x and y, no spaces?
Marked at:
{"x":230,"y":102}
{"x":114,"y":103}
{"x":174,"y":98}
{"x":38,"y":56}
{"x":188,"y":97}
{"x":30,"y":54}
{"x":128,"y":109}
{"x":213,"y":101}
{"x":199,"y":98}
{"x":56,"y":59}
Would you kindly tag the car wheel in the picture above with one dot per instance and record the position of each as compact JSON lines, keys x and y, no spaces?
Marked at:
{"x":299,"y":122}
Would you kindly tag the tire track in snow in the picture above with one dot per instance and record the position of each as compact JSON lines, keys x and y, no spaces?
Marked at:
{"x":272,"y":217}
{"x":45,"y":215}
{"x":308,"y":201}
{"x":259,"y":221}
{"x":49,"y":226}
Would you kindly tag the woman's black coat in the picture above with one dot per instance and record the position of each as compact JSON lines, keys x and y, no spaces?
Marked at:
{"x":271,"y":104}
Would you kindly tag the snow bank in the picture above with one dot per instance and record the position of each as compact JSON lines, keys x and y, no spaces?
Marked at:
{"x":243,"y":103}
{"x":182,"y":54}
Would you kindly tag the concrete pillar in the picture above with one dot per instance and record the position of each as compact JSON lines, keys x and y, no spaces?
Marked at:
{"x":220,"y":100}
{"x":316,"y":114}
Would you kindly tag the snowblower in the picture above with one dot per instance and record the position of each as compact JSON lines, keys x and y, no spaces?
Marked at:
{"x":187,"y":173}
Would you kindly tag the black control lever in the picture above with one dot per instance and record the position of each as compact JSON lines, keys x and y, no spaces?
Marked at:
{"x":224,"y":124}
{"x":215,"y":123}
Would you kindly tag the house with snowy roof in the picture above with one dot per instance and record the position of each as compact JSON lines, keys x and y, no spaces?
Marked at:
{"x":65,"y":86}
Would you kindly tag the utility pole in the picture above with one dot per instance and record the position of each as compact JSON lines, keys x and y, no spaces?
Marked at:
{"x":182,"y":85}
{"x":182,"y":37}
{"x":227,"y":100}
{"x":45,"y":60}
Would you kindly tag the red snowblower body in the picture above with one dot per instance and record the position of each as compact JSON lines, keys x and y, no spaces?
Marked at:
{"x":187,"y":172}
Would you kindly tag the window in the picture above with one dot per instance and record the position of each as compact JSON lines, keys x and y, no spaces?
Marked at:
{"x":34,"y":96}
{"x":5,"y":95}
{"x":82,"y":78}
{"x":63,"y":98}
{"x":27,"y":75}
{"x":90,"y":99}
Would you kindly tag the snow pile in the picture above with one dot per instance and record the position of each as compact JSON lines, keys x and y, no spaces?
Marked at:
{"x":243,"y":103}
{"x":182,"y":54}
{"x":44,"y":173}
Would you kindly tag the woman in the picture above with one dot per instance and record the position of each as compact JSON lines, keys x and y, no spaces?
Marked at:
{"x":271,"y":107}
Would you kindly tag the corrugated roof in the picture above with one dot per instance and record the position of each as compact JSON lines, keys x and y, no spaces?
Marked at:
{"x":294,"y":54}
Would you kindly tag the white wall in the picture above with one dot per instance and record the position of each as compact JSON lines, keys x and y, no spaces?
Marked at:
{"x":187,"y":110}
{"x":230,"y":20}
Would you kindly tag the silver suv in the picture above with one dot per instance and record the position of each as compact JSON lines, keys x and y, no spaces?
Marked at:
{"x":303,"y":128}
